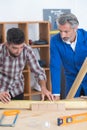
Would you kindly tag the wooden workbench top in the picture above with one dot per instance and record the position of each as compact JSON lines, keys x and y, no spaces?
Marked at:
{"x":37,"y":120}
{"x":44,"y":119}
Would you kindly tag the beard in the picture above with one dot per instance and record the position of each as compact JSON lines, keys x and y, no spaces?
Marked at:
{"x":13,"y":55}
{"x":66,"y":39}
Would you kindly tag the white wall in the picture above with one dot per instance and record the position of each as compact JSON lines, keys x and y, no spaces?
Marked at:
{"x":30,"y":10}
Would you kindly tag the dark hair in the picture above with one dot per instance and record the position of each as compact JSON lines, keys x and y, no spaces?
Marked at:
{"x":15,"y":36}
{"x":68,"y":18}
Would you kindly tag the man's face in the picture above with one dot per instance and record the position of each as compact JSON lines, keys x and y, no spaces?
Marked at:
{"x":67,"y":32}
{"x":15,"y":50}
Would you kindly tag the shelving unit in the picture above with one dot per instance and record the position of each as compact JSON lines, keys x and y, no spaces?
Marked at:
{"x":33,"y":30}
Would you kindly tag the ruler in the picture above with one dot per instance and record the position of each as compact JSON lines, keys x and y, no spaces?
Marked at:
{"x":72,"y":119}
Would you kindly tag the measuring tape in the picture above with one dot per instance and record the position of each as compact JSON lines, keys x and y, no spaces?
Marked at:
{"x":72,"y":119}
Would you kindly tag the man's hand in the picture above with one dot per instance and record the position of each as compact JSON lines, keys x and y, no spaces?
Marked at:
{"x":5,"y":97}
{"x":46,"y":93}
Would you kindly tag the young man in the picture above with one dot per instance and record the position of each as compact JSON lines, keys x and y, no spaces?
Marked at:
{"x":68,"y":47}
{"x":14,"y":55}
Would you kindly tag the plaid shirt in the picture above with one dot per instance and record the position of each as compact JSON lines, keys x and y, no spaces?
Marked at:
{"x":11,"y":68}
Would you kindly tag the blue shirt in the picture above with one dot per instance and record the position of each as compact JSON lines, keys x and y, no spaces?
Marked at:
{"x":62,"y":53}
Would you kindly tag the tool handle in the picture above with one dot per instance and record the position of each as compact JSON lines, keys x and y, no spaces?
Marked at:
{"x":11,"y":112}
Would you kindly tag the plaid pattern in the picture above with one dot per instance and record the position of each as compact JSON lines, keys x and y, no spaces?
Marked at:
{"x":11,"y":77}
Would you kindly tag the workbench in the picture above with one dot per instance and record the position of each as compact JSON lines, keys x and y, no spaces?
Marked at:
{"x":44,"y":120}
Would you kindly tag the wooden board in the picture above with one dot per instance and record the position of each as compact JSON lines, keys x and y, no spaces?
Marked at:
{"x":79,"y":103}
{"x":40,"y":120}
{"x":37,"y":120}
{"x":47,"y":106}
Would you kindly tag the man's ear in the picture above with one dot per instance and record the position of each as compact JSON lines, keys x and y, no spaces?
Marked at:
{"x":76,"y":28}
{"x":6,"y":44}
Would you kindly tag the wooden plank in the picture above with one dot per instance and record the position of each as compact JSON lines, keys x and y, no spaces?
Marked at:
{"x":38,"y":120}
{"x":26,"y":104}
{"x":48,"y":106}
{"x":78,"y":80}
{"x":19,"y":104}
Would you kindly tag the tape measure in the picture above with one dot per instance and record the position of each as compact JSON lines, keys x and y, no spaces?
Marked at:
{"x":72,"y":119}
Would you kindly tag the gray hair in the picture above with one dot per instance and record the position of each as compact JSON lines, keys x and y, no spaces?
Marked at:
{"x":68,"y":18}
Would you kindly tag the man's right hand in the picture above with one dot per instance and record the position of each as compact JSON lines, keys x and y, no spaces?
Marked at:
{"x":5,"y":97}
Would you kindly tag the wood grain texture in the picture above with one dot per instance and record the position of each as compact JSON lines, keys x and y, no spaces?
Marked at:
{"x":78,"y":103}
{"x":38,"y":120}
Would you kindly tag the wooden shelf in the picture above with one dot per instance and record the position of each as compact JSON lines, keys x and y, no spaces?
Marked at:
{"x":35,"y":92}
{"x":54,"y":32}
{"x":39,"y":46}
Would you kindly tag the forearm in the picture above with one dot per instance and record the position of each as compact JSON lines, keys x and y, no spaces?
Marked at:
{"x":42,"y":83}
{"x":44,"y":91}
